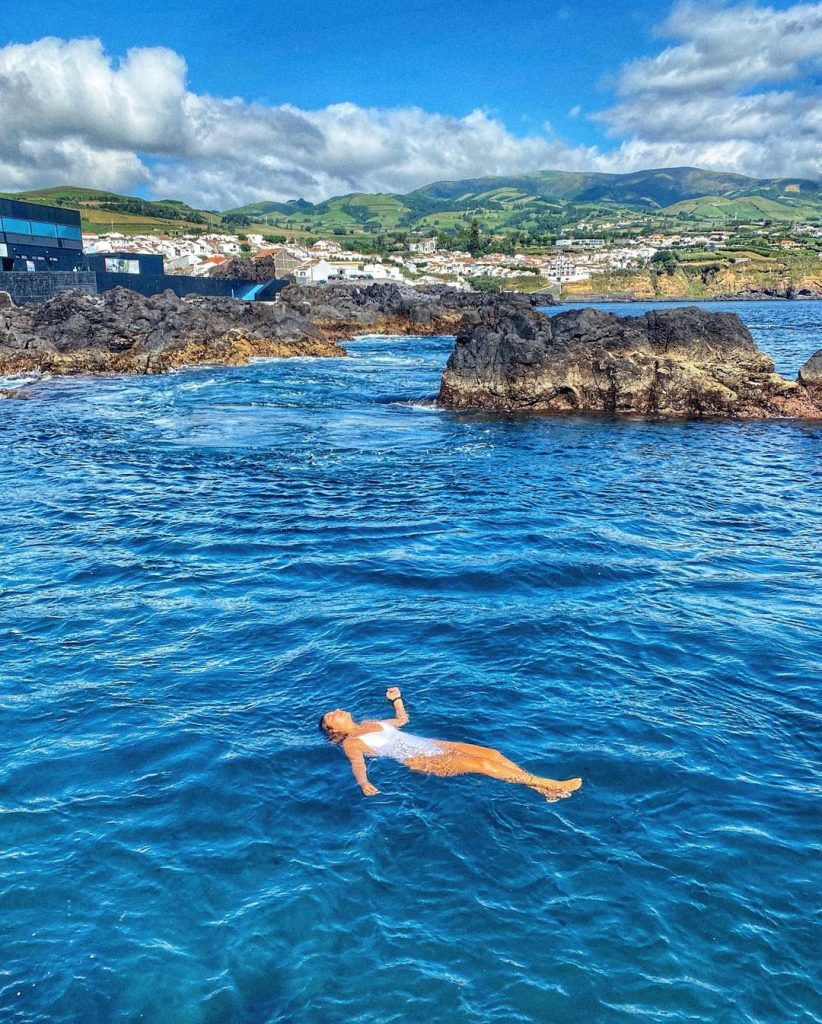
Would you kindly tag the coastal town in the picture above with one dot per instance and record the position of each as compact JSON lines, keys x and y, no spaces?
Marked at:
{"x":572,"y":259}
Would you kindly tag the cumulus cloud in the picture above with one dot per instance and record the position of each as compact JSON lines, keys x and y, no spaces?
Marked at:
{"x":70,"y":113}
{"x":65,"y":108}
{"x":717,"y":97}
{"x":723,"y":49}
{"x":731,"y":91}
{"x":283,"y":152}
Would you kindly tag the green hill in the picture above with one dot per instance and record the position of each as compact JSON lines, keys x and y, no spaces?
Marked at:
{"x":654,"y":189}
{"x":108,"y":211}
{"x":526,"y":207}
{"x":554,"y":200}
{"x":725,"y":210}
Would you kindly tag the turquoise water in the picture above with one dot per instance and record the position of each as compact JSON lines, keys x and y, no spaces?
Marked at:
{"x":194,"y":567}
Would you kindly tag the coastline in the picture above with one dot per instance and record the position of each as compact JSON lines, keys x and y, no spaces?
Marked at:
{"x":122,"y":331}
{"x":593,"y":298}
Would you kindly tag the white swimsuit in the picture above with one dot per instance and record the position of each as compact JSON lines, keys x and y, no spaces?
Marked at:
{"x":390,"y":742}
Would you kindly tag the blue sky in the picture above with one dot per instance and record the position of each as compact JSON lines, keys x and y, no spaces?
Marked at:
{"x":245,"y":100}
{"x":526,"y":61}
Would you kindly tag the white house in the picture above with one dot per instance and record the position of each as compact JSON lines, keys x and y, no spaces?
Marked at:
{"x":324,"y":245}
{"x":380,"y":272}
{"x":424,"y":245}
{"x":182,"y":264}
{"x":314,"y":272}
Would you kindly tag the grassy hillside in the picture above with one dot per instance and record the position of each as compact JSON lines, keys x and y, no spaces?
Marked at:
{"x":724,"y":210}
{"x":109,"y":211}
{"x":554,"y":201}
{"x":527,"y":209}
{"x":654,"y":189}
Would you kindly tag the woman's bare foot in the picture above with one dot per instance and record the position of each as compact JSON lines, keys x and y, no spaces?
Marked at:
{"x":560,"y":790}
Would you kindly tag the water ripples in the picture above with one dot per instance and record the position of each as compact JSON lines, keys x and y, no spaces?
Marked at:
{"x":194,"y":567}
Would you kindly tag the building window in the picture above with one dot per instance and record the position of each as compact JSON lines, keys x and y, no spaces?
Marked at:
{"x":40,"y":227}
{"x":15,"y":226}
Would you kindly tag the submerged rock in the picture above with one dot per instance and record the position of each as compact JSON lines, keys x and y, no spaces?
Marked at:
{"x":681,"y":362}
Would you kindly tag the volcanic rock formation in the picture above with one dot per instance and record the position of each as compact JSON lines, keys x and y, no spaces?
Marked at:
{"x":810,"y":377}
{"x":388,"y":308}
{"x":683,"y":362}
{"x":124,"y":332}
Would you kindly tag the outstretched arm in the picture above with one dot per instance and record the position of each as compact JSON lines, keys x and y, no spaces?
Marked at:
{"x":393,"y":694}
{"x":354,"y":755}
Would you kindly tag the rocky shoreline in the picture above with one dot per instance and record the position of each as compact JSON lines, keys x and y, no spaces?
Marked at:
{"x":508,"y":357}
{"x":124,"y":332}
{"x":685,"y":362}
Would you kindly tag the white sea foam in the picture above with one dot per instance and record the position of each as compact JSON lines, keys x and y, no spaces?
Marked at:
{"x":15,"y":381}
{"x":418,"y":404}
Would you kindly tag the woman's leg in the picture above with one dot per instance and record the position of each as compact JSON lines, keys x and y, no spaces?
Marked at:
{"x":466,"y":758}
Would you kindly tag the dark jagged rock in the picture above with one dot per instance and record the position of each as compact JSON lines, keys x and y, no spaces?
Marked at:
{"x":124,"y":332}
{"x":388,"y":308}
{"x":247,"y":269}
{"x":760,"y":294}
{"x":541,"y":298}
{"x":681,"y":362}
{"x":810,"y":377}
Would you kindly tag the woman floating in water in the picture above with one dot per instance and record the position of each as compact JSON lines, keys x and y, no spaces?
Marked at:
{"x":436,"y":757}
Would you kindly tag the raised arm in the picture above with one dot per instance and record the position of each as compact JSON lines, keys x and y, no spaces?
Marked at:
{"x":353,"y":752}
{"x":393,"y":694}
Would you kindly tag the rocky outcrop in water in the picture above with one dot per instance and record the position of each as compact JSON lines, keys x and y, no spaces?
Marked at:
{"x":810,"y":377}
{"x":123,"y":332}
{"x":763,"y":294}
{"x":388,"y":308}
{"x":682,"y":362}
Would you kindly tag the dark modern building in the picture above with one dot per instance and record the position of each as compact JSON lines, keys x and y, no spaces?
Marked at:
{"x":38,"y":238}
{"x":41,"y":240}
{"x":125,"y":263}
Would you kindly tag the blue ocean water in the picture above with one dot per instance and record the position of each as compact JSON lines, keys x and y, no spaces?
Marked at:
{"x":195,"y":567}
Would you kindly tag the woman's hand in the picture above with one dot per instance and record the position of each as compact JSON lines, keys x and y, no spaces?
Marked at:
{"x":400,"y":714}
{"x":369,"y":790}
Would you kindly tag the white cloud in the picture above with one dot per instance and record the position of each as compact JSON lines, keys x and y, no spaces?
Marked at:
{"x":711,"y":99}
{"x":726,"y":48}
{"x":284,"y":152}
{"x":732,"y":91}
{"x":69,"y":113}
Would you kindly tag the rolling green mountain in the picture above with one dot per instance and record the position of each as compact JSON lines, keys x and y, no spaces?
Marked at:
{"x":520,"y":206}
{"x":549,"y":200}
{"x":654,"y":189}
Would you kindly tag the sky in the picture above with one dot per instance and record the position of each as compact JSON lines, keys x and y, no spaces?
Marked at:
{"x":226,"y":102}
